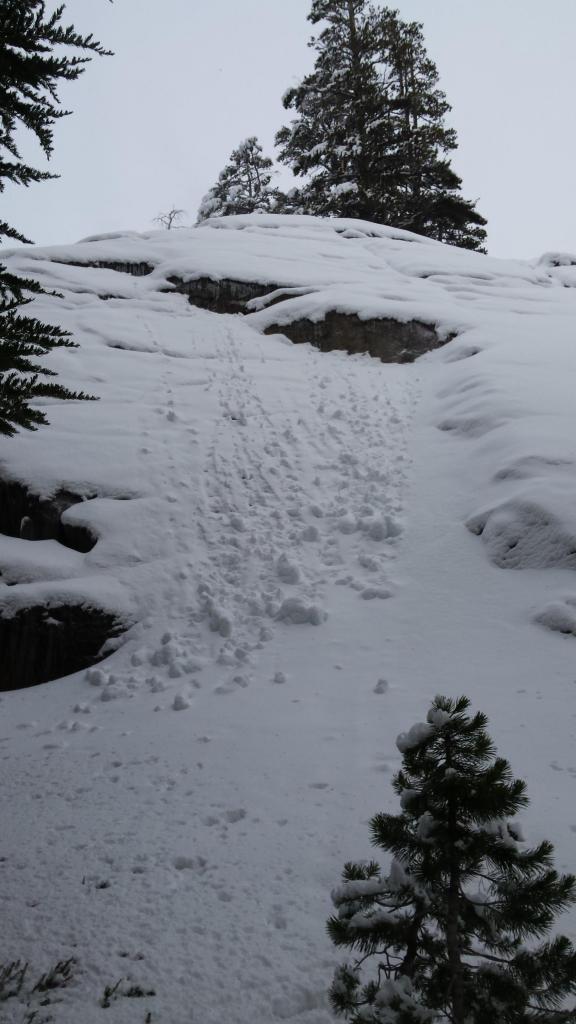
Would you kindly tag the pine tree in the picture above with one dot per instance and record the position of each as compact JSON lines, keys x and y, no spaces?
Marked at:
{"x":456,"y":930}
{"x":243,"y":186}
{"x":426,"y":188}
{"x":31,"y":66}
{"x":331,"y":140}
{"x":370,"y":136}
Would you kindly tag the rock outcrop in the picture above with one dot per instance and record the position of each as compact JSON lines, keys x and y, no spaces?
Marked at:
{"x":225,"y":296}
{"x":388,"y":340}
{"x":42,"y":643}
{"x":24,"y":514}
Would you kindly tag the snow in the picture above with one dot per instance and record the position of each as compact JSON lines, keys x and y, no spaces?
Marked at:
{"x":103,"y":592}
{"x":437,"y":717}
{"x":242,"y":490}
{"x":399,"y":992}
{"x":354,"y":890}
{"x":417,"y":734}
{"x":295,"y":611}
{"x":21,"y":562}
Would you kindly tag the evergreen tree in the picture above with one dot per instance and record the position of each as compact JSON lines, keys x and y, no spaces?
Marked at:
{"x":31,"y":66}
{"x":338,"y":106}
{"x":426,"y":188}
{"x":370,"y":136}
{"x":244,"y":186}
{"x":455,"y":931}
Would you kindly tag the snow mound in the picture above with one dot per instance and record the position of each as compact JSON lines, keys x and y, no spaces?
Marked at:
{"x":561,"y":266}
{"x":532,"y":531}
{"x":559,"y":616}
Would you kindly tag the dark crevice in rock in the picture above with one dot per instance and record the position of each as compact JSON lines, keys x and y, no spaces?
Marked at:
{"x":26,"y":515}
{"x":225,"y":296}
{"x":40,"y":644}
{"x":388,"y":340}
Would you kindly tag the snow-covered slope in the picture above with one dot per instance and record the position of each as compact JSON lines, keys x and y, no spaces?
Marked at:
{"x":307,"y":547}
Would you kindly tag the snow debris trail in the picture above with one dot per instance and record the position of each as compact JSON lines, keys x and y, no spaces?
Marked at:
{"x":312,"y":546}
{"x":191,"y":854}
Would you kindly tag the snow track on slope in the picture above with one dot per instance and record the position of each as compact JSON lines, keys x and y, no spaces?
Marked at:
{"x":269,"y":486}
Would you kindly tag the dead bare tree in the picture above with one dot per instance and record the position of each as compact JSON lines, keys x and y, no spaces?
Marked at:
{"x":169,"y":219}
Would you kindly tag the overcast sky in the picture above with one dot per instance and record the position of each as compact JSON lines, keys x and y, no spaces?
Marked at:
{"x":153,"y":125}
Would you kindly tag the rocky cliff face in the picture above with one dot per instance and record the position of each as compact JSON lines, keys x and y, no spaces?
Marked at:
{"x":46,"y":633}
{"x":390,"y":340}
{"x":384,"y":339}
{"x":48,"y":641}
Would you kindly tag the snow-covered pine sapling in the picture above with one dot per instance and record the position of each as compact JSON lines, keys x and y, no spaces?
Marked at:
{"x":455,"y":930}
{"x":243,"y":186}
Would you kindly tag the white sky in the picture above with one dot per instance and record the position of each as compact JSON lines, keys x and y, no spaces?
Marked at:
{"x":153,"y":125}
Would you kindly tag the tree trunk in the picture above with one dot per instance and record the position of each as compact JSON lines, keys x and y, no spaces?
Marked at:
{"x":361,"y":159}
{"x":412,"y":946}
{"x":452,"y":926}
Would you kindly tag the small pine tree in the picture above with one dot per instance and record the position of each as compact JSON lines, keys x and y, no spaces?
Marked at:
{"x":23,"y":340}
{"x":244,"y":186}
{"x":31,"y":67}
{"x":455,"y":931}
{"x":369,"y":136}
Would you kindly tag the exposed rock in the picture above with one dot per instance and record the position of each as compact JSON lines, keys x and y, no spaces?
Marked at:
{"x":39,"y":644}
{"x":24,"y":514}
{"x":135,"y":269}
{"x":388,"y":340}
{"x":226,"y":296}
